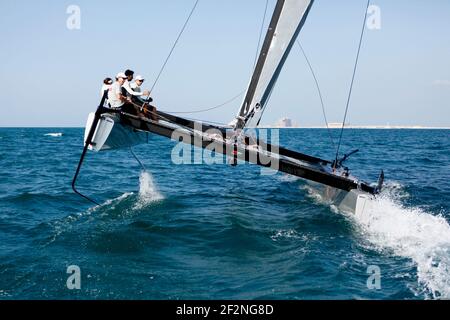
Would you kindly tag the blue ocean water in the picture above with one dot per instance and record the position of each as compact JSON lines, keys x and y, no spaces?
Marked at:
{"x":218,"y":232}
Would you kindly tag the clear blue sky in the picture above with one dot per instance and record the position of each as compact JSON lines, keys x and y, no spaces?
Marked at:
{"x":52,"y":75}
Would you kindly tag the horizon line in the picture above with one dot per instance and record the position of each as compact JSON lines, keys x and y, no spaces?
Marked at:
{"x":380,"y":127}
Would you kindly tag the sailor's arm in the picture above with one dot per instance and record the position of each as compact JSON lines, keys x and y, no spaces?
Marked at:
{"x":130,"y":91}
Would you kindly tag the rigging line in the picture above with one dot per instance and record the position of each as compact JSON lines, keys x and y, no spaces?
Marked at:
{"x":209,"y":109}
{"x":351,"y":84}
{"x":174,"y":45}
{"x":168,"y":120}
{"x":260,"y":33}
{"x":177,"y":124}
{"x":320,"y":94}
{"x":208,"y":122}
{"x":185,"y":127}
{"x":137,"y":159}
{"x":144,"y":107}
{"x":153,"y":121}
{"x":242,"y":92}
{"x":259,"y":44}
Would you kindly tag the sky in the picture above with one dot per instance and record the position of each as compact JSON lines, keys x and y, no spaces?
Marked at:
{"x":52,"y":75}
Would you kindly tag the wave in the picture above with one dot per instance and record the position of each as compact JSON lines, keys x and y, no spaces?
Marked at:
{"x":290,"y":234}
{"x":119,"y":207}
{"x":55,"y":134}
{"x":65,"y":225}
{"x":409,"y":232}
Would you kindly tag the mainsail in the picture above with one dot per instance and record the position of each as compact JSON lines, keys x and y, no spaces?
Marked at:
{"x":287,"y":21}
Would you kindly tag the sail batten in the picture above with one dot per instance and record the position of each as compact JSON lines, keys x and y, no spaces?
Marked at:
{"x":287,"y":21}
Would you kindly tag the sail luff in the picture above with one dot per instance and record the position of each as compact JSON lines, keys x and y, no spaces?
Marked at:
{"x":267,"y":94}
{"x":287,"y":21}
{"x":261,"y":59}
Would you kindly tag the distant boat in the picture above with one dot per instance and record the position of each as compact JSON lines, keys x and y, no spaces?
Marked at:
{"x":112,"y":129}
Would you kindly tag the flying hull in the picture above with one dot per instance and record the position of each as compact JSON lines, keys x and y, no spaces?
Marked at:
{"x":354,"y":201}
{"x":116,"y":129}
{"x":111,"y":134}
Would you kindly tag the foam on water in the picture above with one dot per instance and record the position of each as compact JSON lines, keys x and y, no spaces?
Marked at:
{"x":285,"y":234}
{"x":63,"y":225}
{"x":148,"y":192}
{"x":411,"y":233}
{"x":54,"y":134}
{"x":111,"y":203}
{"x":287,"y":178}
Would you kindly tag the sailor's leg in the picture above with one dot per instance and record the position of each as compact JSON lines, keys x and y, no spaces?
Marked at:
{"x":129,"y":108}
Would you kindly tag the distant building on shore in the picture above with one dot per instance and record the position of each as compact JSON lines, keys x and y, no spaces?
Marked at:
{"x":286,"y":123}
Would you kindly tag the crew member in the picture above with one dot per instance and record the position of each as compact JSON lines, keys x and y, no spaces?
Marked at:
{"x":128,"y":91}
{"x":107,"y":83}
{"x":117,"y":99}
{"x":149,"y":110}
{"x":136,"y":87}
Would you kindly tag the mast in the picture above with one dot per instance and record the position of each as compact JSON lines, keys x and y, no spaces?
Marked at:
{"x":288,"y":19}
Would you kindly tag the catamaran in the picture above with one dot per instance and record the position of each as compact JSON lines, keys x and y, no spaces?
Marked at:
{"x":109,"y":129}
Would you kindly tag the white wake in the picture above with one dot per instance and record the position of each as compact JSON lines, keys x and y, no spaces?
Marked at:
{"x":412,"y":233}
{"x":148,"y":191}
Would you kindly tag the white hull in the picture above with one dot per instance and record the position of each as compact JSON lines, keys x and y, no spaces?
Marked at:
{"x":354,"y":201}
{"x":111,"y":134}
